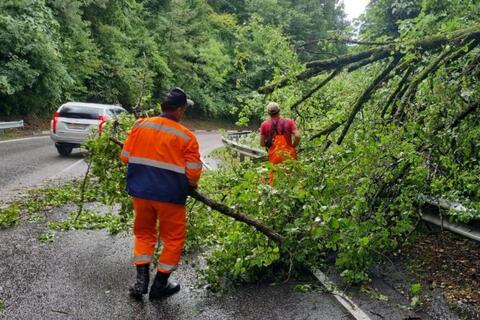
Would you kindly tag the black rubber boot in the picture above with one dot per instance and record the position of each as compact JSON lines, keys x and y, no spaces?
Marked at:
{"x":140,"y":287}
{"x":161,"y":287}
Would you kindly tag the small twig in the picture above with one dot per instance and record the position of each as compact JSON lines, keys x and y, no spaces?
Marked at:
{"x":290,"y":266}
{"x":349,"y":164}
{"x":137,"y":109}
{"x":82,"y":191}
{"x":59,"y":311}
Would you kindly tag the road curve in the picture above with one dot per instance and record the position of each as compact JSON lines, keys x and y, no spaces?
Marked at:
{"x":30,"y":162}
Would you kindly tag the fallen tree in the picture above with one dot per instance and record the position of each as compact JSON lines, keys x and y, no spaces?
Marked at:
{"x":357,"y":195}
{"x":430,"y":44}
{"x":443,"y":50}
{"x":197,"y":195}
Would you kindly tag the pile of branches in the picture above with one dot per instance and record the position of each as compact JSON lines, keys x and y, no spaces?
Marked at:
{"x":399,"y":66}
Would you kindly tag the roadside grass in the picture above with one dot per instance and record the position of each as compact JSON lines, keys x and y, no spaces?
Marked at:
{"x":37,"y":202}
{"x":9,"y":216}
{"x":9,"y":134}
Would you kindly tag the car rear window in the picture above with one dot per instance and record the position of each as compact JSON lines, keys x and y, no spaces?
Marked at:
{"x":115,"y":112}
{"x":80,"y":112}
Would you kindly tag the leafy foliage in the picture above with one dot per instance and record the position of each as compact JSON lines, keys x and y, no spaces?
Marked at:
{"x":107,"y":51}
{"x":408,"y":114}
{"x":9,"y":216}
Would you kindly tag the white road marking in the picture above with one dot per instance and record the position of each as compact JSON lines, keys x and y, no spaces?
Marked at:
{"x":205,"y":164}
{"x":23,"y":139}
{"x":341,"y":297}
{"x":66,"y":169}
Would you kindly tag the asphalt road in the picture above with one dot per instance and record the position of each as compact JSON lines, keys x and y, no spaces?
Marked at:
{"x":85,"y":274}
{"x":30,"y":162}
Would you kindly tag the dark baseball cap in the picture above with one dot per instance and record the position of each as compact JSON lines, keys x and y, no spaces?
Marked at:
{"x":176,"y":97}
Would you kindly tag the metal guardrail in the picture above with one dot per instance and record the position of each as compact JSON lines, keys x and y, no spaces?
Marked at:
{"x":461,"y":229}
{"x":235,"y":135}
{"x":458,"y":228}
{"x":242,"y":150}
{"x":10,"y":125}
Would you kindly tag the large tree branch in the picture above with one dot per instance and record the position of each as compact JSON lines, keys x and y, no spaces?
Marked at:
{"x":346,"y":41}
{"x":223,"y":209}
{"x":325,"y":65}
{"x":318,"y":87}
{"x":445,"y":57}
{"x":327,"y":130}
{"x":464,"y":113}
{"x":366,"y":96}
{"x":469,"y":109}
{"x":314,"y":68}
{"x":400,"y":87}
{"x":270,"y":233}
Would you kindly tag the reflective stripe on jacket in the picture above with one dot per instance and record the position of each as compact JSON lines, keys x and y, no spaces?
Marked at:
{"x":163,"y":158}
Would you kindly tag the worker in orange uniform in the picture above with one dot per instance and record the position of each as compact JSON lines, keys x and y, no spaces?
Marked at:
{"x":276,"y":135}
{"x":163,"y":163}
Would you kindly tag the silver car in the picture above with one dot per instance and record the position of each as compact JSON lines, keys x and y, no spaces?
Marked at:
{"x":75,"y":121}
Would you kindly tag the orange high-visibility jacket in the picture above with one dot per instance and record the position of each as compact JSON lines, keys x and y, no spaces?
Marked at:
{"x":163,"y":159}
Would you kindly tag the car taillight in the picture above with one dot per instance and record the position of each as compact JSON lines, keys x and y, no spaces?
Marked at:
{"x":54,"y":121}
{"x":103,"y":119}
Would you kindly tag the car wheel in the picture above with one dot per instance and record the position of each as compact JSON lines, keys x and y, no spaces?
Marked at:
{"x":64,"y":151}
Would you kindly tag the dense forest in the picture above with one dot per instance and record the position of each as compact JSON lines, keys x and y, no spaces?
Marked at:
{"x":114,"y":51}
{"x":388,"y":109}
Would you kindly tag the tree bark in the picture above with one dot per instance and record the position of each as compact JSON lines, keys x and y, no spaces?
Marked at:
{"x":266,"y":230}
{"x":400,"y":87}
{"x":318,"y":87}
{"x":327,"y":130}
{"x":223,"y":209}
{"x":366,"y":96}
{"x":314,"y":68}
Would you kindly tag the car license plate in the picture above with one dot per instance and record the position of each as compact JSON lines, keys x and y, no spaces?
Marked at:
{"x":77,"y":126}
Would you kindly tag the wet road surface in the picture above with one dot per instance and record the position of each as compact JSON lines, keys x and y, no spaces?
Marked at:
{"x":85,"y":274}
{"x":30,"y":162}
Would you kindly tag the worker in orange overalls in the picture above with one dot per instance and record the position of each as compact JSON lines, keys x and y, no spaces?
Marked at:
{"x":163,"y":163}
{"x":276,"y":135}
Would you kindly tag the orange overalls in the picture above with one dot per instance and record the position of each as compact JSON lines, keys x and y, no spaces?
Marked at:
{"x":163,"y":160}
{"x":280,"y":150}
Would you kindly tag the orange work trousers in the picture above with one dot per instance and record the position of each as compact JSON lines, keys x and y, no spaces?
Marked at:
{"x":278,"y":153}
{"x":171,"y":220}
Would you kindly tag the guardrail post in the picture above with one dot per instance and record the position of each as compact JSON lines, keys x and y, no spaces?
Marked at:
{"x":10,"y":125}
